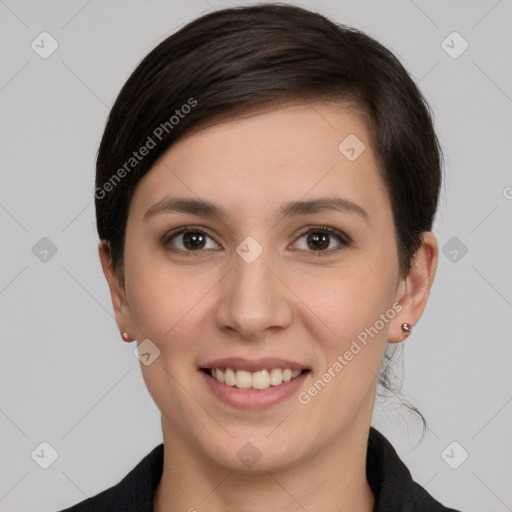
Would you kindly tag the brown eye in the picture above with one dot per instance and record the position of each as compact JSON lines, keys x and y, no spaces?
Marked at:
{"x":189,"y":240}
{"x":193,"y":240}
{"x":318,"y":241}
{"x":322,"y":239}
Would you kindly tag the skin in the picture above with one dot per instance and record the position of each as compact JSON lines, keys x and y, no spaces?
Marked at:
{"x":291,"y":302}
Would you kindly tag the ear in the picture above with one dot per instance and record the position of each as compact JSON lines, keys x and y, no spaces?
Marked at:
{"x":414,"y":289}
{"x":117,"y":293}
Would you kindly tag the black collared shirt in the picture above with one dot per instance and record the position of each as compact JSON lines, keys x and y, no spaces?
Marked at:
{"x":389,"y":479}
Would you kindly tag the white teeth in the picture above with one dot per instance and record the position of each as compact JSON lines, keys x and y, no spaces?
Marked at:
{"x":229,"y":376}
{"x":243,"y":379}
{"x":276,"y":377}
{"x":261,"y":379}
{"x":219,"y":375}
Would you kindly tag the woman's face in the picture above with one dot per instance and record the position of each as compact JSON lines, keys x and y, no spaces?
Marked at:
{"x":241,"y":275}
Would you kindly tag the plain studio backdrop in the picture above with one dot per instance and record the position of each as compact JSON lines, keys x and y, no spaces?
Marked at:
{"x":67,"y":380}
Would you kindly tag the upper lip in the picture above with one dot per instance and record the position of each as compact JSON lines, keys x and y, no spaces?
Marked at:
{"x":254,"y":365}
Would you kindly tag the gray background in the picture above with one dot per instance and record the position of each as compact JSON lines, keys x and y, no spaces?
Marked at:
{"x":65,"y":375}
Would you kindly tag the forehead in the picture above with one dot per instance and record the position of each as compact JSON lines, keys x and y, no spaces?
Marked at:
{"x":267,"y":158}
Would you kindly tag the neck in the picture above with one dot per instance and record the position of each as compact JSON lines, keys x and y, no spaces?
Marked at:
{"x":331,"y":481}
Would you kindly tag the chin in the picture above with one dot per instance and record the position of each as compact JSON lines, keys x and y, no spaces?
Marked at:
{"x":253,"y":459}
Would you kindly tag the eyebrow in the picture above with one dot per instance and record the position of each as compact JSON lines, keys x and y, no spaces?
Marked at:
{"x":205,"y":208}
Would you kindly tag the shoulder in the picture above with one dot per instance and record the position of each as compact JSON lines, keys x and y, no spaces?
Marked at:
{"x":133,"y":493}
{"x":392,"y":483}
{"x":424,"y":502}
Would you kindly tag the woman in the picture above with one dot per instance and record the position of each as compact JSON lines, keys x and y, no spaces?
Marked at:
{"x":265,"y":192}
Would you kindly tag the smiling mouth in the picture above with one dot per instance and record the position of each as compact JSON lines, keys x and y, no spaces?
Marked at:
{"x":262,"y":379}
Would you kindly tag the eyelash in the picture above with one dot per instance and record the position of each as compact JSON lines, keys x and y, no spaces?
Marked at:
{"x":344,"y":239}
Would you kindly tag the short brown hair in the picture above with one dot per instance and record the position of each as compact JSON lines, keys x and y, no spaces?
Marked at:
{"x":235,"y":59}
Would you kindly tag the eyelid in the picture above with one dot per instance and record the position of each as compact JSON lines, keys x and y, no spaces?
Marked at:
{"x":331,"y":231}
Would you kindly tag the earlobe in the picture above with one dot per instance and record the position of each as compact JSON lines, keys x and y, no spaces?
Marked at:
{"x":121,"y":309}
{"x":414,"y":289}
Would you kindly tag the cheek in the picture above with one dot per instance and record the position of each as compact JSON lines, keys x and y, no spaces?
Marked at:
{"x":167,"y":308}
{"x":353,"y":308}
{"x":358,"y":310}
{"x":163,"y":297}
{"x":349,"y":297}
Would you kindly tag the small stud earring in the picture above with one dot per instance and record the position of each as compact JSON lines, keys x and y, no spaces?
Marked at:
{"x":406,"y":329}
{"x":124,"y":335}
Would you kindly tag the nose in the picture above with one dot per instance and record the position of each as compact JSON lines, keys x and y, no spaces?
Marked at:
{"x":254,"y":299}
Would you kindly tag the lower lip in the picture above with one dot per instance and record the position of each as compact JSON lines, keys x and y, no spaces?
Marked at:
{"x":254,"y":399}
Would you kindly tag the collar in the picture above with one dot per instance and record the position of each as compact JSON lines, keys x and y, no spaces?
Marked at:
{"x":391,"y":482}
{"x":389,"y":479}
